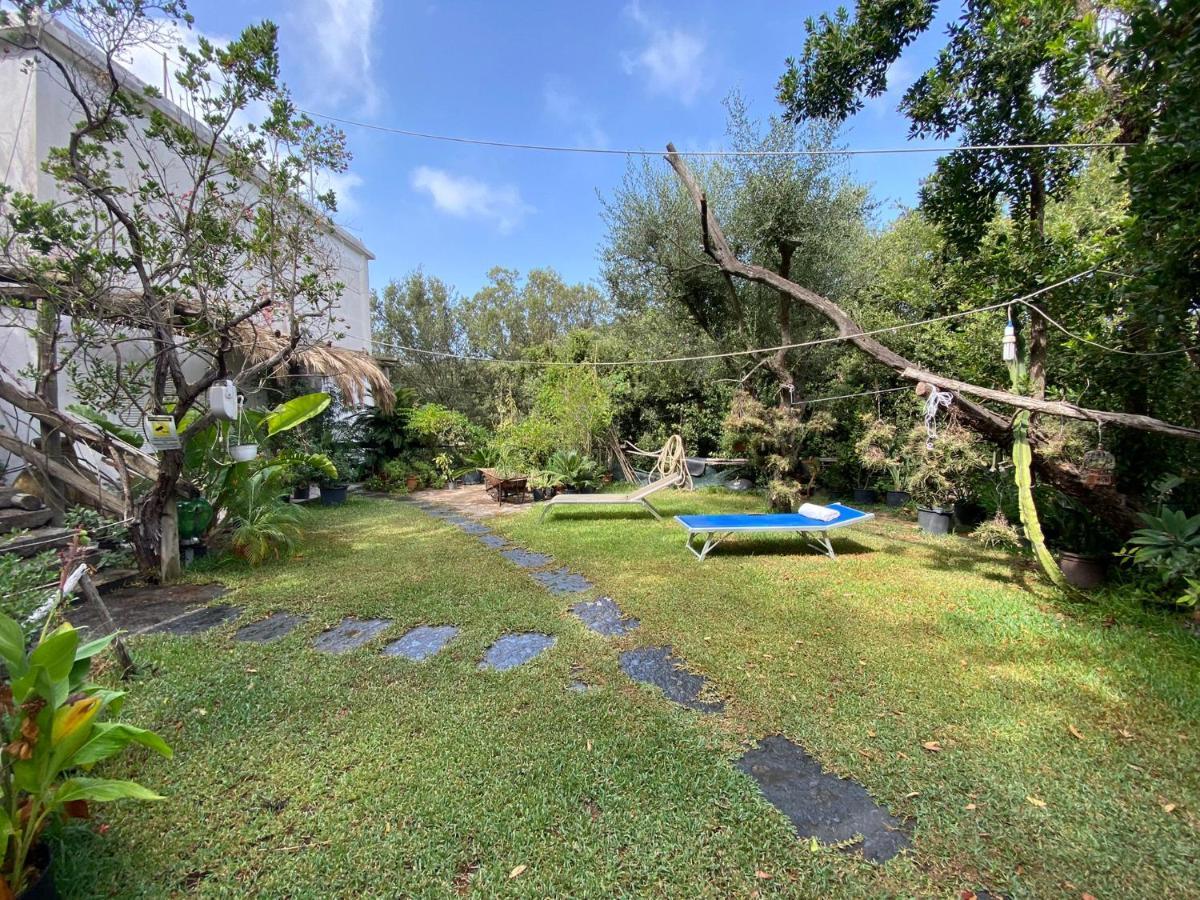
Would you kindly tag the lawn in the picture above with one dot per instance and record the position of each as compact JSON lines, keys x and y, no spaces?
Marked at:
{"x":1038,"y":748}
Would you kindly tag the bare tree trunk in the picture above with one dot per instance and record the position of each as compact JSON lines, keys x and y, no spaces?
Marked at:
{"x":46,"y":387}
{"x":155,"y":535}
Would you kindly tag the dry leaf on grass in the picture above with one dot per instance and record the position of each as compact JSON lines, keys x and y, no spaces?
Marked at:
{"x":516,"y":872}
{"x":1075,"y":732}
{"x":932,"y":746}
{"x":1040,"y":804}
{"x":761,"y":874}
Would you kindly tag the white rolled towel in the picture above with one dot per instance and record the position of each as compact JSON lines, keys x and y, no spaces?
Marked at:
{"x":820,"y":513}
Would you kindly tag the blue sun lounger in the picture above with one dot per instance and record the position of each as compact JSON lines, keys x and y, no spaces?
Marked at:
{"x":718,"y":527}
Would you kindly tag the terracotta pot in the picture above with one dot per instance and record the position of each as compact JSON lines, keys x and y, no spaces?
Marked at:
{"x":412,"y":482}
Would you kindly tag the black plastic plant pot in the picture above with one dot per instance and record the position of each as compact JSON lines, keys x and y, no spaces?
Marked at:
{"x":935,"y":521}
{"x":1084,"y":572}
{"x":41,"y":886}
{"x":865,"y":495}
{"x":301,"y":491}
{"x":898,"y":498}
{"x":333,"y":494}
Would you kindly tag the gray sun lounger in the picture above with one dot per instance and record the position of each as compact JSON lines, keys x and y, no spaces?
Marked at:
{"x":633,"y":498}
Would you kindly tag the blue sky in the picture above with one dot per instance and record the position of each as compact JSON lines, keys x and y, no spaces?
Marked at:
{"x":615,"y":74}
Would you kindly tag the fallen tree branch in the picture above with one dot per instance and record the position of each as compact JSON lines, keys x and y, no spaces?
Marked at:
{"x":107,"y":501}
{"x":1106,"y":501}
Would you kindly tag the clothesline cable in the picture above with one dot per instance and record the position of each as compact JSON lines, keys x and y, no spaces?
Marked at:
{"x":735,"y":353}
{"x":1023,"y":300}
{"x":611,"y":151}
{"x":859,"y":394}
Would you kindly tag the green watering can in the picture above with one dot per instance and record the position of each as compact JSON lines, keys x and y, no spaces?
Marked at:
{"x":195,"y":516}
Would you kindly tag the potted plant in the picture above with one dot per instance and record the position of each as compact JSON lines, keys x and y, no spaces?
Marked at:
{"x":879,"y":451}
{"x":52,"y":726}
{"x":574,"y":471}
{"x":1081,"y":543}
{"x":940,"y":466}
{"x":444,"y":463}
{"x":334,"y":486}
{"x":483,"y":457}
{"x":541,"y":484}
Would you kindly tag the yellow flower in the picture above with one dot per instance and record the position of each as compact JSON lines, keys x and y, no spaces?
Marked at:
{"x":71,"y":718}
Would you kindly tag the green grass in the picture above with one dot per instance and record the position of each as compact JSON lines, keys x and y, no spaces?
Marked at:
{"x":304,"y":775}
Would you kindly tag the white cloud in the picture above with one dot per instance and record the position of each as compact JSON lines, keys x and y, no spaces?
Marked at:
{"x":338,"y":68}
{"x":469,"y":198}
{"x":345,"y":187}
{"x":563,"y":104}
{"x":670,"y":61}
{"x":900,"y":75}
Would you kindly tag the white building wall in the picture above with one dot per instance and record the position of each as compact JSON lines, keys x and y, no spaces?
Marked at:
{"x":37,"y":112}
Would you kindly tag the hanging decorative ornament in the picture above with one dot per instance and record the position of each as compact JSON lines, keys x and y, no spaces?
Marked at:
{"x":223,"y":400}
{"x":1098,"y":465}
{"x":1009,"y":344}
{"x":934,"y":400}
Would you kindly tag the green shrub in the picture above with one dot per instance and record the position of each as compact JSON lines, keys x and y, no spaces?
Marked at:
{"x":1166,"y":554}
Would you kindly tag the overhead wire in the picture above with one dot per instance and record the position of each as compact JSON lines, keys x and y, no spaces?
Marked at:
{"x":611,"y":151}
{"x":735,"y":353}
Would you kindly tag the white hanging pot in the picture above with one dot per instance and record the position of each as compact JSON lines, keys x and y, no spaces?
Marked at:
{"x":243,"y":452}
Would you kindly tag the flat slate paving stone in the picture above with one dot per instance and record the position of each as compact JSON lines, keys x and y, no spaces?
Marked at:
{"x":136,"y":610}
{"x":199,"y":621}
{"x":349,"y":635}
{"x":563,"y":581}
{"x":820,"y":804}
{"x":512,"y":650}
{"x":475,"y":528}
{"x":656,"y":666}
{"x":526,"y":559}
{"x":493,"y":540}
{"x":272,"y":628}
{"x":422,"y":642}
{"x":603,"y":616}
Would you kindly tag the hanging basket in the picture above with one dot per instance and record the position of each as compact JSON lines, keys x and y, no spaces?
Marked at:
{"x":1098,"y":467}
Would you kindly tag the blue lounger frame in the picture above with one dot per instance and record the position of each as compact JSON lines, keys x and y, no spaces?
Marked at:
{"x":718,"y":527}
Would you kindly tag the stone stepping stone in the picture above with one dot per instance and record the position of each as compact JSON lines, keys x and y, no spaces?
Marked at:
{"x":475,"y":528}
{"x":512,"y":650}
{"x":562,"y":581}
{"x":351,"y":634}
{"x":603,"y":616}
{"x":493,"y":540}
{"x":820,"y":804}
{"x":456,"y":519}
{"x":197,"y":622}
{"x":526,"y":559}
{"x":656,"y":666}
{"x":272,"y":628}
{"x":422,"y":642}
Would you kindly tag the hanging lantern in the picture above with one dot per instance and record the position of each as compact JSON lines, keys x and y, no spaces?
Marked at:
{"x":1009,"y":344}
{"x":1098,"y":467}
